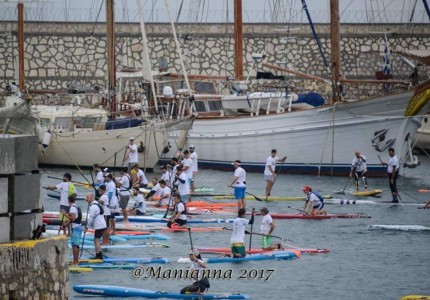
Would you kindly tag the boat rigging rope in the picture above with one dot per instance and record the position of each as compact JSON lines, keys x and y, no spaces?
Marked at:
{"x":330,"y":127}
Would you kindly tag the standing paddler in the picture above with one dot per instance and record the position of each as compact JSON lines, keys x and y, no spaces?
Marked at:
{"x":239,"y":184}
{"x":238,"y":236}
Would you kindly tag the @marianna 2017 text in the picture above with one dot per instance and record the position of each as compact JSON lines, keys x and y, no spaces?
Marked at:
{"x":144,"y":272}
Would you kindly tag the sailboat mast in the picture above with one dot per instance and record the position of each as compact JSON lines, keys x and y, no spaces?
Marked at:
{"x":110,"y":37}
{"x":335,"y":48}
{"x":21,"y":77}
{"x":238,"y":40}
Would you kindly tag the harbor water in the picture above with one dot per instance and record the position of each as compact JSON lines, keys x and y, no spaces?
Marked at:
{"x":362,"y":264}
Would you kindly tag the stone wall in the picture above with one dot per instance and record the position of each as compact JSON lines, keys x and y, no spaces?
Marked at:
{"x":35,"y":269}
{"x":57,"y":52}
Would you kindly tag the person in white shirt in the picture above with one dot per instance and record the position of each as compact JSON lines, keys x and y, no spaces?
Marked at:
{"x":165,"y":194}
{"x":359,"y":167}
{"x":239,"y":184}
{"x":98,"y":180}
{"x":194,"y":166}
{"x":139,"y":208}
{"x":393,"y":167}
{"x":202,"y":283}
{"x":187,"y":167}
{"x":104,"y":202}
{"x":267,"y":226}
{"x":124,"y":185}
{"x":182,"y":184}
{"x":111,"y":192}
{"x":315,"y":201}
{"x":166,"y":175}
{"x":237,"y":239}
{"x":269,"y":170}
{"x":75,"y":218}
{"x":155,"y":192}
{"x":174,"y":165}
{"x":95,"y":220}
{"x":66,"y":189}
{"x":179,"y":217}
{"x":140,"y":179}
{"x":133,"y":154}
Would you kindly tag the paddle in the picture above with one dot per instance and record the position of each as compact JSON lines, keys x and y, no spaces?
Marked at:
{"x":85,"y":232}
{"x":78,"y":182}
{"x":191,"y":239}
{"x":300,"y":210}
{"x":256,"y":198}
{"x":171,"y":192}
{"x":343,"y":191}
{"x":276,"y":177}
{"x":250,"y":234}
{"x":256,"y":233}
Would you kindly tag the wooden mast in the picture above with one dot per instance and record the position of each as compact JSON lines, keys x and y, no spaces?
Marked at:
{"x":21,"y":77}
{"x":238,"y":40}
{"x":111,"y":69}
{"x":335,"y":48}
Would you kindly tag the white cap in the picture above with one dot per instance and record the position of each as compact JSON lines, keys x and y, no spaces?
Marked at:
{"x":131,"y":138}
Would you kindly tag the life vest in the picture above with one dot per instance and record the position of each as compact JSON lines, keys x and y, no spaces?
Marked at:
{"x":78,"y":220}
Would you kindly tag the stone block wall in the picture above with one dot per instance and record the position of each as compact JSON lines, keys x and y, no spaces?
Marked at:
{"x":34,"y":269}
{"x":57,"y":52}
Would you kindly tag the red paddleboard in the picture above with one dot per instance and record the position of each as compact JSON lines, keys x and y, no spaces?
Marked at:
{"x":318,"y":217}
{"x":193,"y":229}
{"x":424,"y":191}
{"x":256,"y":250}
{"x":126,"y":232}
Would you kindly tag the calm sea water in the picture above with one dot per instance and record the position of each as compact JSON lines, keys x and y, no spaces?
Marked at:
{"x":362,"y":264}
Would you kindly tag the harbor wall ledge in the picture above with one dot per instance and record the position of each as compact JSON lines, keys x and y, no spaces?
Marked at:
{"x":35,"y":269}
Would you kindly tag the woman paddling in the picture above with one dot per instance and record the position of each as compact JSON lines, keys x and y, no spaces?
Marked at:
{"x":202,"y":282}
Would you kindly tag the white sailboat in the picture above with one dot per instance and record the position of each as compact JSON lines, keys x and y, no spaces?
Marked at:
{"x":319,"y":140}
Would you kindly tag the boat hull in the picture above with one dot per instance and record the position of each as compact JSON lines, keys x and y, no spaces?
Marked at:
{"x":311,"y":140}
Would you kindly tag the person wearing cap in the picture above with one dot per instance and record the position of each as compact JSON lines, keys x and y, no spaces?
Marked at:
{"x":267,"y":227}
{"x":181,"y":181}
{"x":104,"y":202}
{"x":237,"y":239}
{"x":194,"y":166}
{"x":131,"y":151}
{"x":187,"y":167}
{"x":359,"y":168}
{"x":316,"y":202}
{"x":66,"y":189}
{"x":202,"y":283}
{"x":239,"y":184}
{"x":179,"y":217}
{"x":269,"y":170}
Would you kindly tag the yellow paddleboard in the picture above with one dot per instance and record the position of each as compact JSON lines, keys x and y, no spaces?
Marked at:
{"x":89,"y":260}
{"x":281,"y":198}
{"x":415,"y":297}
{"x":79,"y":269}
{"x":367,"y":193}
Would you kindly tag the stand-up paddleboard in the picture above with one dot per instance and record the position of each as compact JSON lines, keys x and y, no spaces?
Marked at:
{"x":193,"y":229}
{"x":160,"y":220}
{"x":367,"y":193}
{"x":74,"y":269}
{"x":399,"y":227}
{"x":369,"y":202}
{"x":280,"y":198}
{"x":319,"y":217}
{"x":424,"y":191}
{"x":415,"y":297}
{"x":259,"y":250}
{"x":119,"y":291}
{"x":281,"y":255}
{"x":144,"y":237}
{"x":108,"y":266}
{"x":125,"y":246}
{"x":135,"y":227}
{"x":135,"y":260}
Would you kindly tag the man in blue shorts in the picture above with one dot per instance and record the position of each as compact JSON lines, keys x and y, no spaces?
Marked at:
{"x":75,"y":217}
{"x":239,"y":184}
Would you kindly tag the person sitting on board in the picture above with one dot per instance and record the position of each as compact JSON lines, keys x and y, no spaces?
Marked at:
{"x":269,"y":170}
{"x":140,"y":179}
{"x":239,"y":184}
{"x":166,"y":175}
{"x":360,"y":169}
{"x":179,"y":217}
{"x":139,"y":207}
{"x":237,"y":239}
{"x":156,"y":190}
{"x":267,"y":226}
{"x":165,"y":194}
{"x":197,"y":267}
{"x":393,"y":167}
{"x":316,"y":202}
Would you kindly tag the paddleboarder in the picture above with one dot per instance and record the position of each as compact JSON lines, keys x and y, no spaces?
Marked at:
{"x":124,"y":184}
{"x":316,"y":202}
{"x":75,"y":217}
{"x":139,"y":208}
{"x":267,"y":227}
{"x":104,"y":201}
{"x":269,"y":170}
{"x":359,"y":168}
{"x":181,"y":181}
{"x":179,"y":217}
{"x":111,"y":192}
{"x":96,"y":220}
{"x":139,"y":179}
{"x":194,"y":166}
{"x":239,"y":184}
{"x":197,"y":266}
{"x":238,"y":235}
{"x":132,"y":153}
{"x":393,"y":167}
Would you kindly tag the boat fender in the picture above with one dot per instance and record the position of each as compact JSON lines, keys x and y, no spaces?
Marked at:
{"x":46,"y":139}
{"x":167,"y":91}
